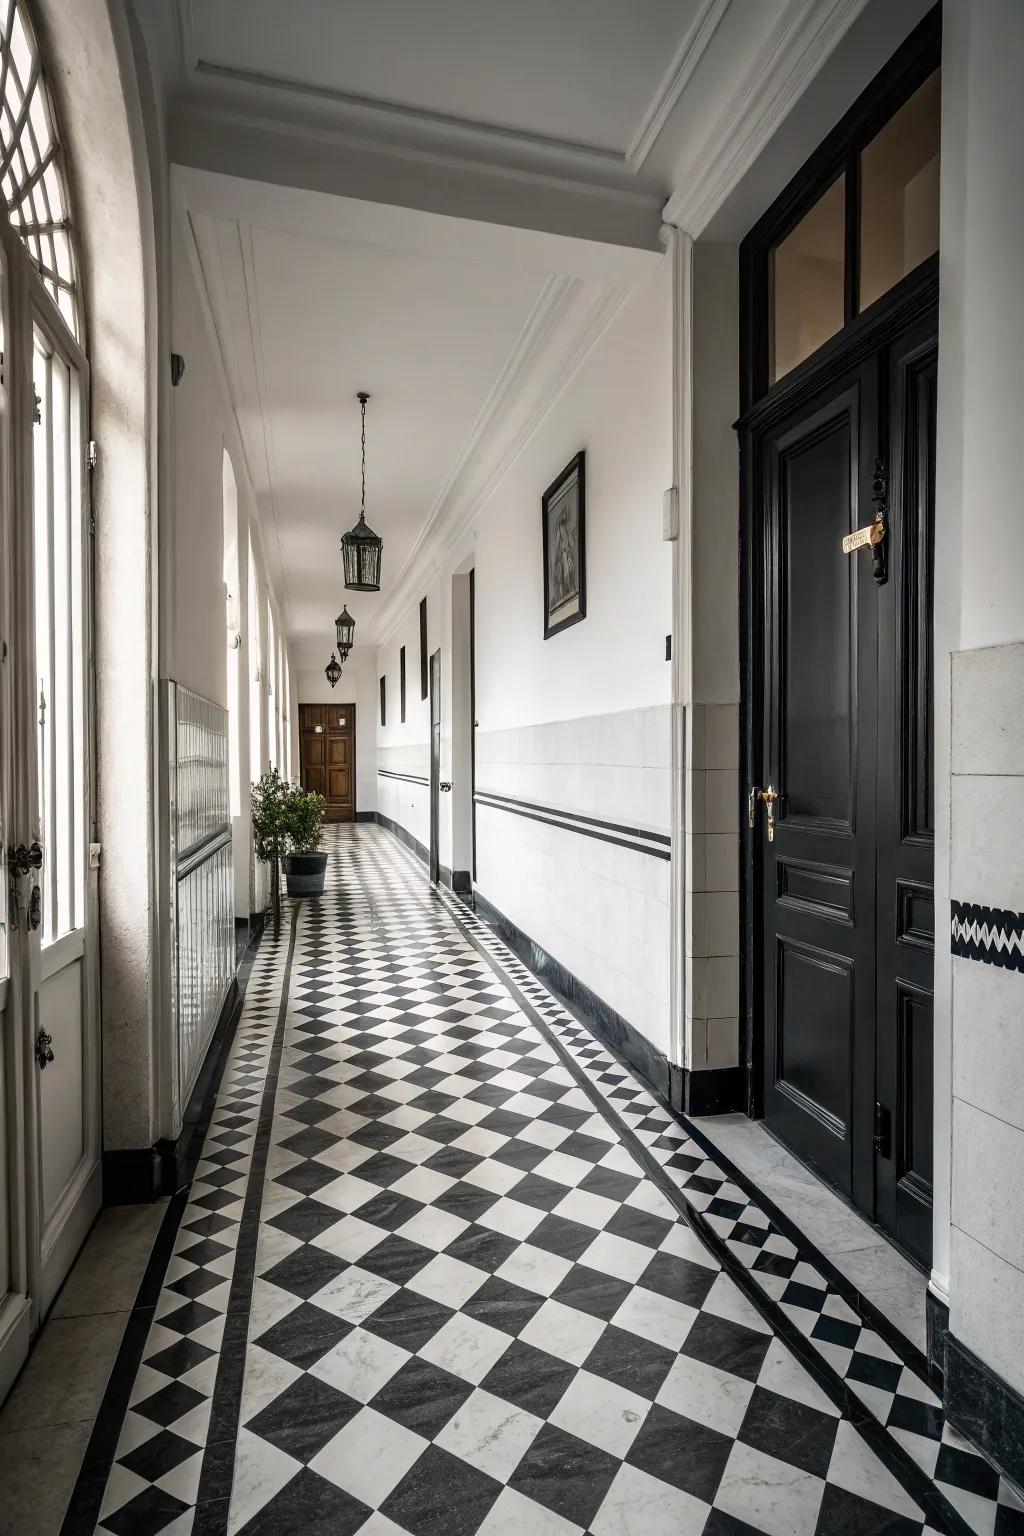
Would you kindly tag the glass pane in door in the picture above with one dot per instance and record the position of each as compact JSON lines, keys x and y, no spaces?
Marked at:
{"x":808,"y":281}
{"x":60,"y":664}
{"x":899,"y":196}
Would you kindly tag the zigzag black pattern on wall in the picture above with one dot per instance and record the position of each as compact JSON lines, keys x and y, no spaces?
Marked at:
{"x":990,"y":934}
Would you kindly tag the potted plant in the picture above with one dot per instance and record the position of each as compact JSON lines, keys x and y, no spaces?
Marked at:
{"x":267,"y":800}
{"x":305,"y":864}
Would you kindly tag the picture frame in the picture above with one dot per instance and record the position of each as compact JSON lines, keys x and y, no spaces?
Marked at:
{"x":563,"y":527}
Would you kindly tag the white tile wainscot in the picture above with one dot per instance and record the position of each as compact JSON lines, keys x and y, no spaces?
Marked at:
{"x":600,"y":909}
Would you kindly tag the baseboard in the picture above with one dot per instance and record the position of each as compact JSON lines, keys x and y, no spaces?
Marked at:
{"x":985,"y":1409}
{"x":462,"y":881}
{"x":366,"y":815}
{"x":598,"y":1015}
{"x":403,"y":835}
{"x":139,"y":1175}
{"x":132,"y":1176}
{"x":936,"y":1315}
{"x":712,"y":1091}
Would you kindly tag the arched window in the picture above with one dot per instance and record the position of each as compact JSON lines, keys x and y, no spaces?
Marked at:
{"x":31,"y":172}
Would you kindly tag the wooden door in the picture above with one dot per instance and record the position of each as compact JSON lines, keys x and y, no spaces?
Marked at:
{"x":327,"y":756}
{"x":841,"y":718}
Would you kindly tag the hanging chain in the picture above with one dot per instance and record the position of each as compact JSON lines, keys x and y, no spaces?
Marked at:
{"x":362,"y":507}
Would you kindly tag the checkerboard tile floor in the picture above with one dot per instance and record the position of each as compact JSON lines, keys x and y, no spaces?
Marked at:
{"x":472,"y":1301}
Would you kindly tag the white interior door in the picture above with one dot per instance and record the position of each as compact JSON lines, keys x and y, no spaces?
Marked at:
{"x":62,"y":905}
{"x":15,"y":1319}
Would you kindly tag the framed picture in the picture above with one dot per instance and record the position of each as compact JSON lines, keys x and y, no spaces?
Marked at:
{"x":563,"y":508}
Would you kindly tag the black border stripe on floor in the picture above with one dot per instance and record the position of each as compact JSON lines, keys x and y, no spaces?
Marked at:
{"x":937,"y":1510}
{"x":213,"y":1496}
{"x":86,"y":1498}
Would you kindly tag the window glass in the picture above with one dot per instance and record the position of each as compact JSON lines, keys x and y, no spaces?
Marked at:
{"x":808,"y":269}
{"x":57,"y":516}
{"x":33,"y":185}
{"x":899,"y":194}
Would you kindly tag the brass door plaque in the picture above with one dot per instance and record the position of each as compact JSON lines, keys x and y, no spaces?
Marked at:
{"x":874,"y":533}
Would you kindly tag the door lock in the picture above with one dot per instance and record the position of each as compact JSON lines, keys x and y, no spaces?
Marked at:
{"x":769,"y":796}
{"x":21,"y":859}
{"x":445,"y":786}
{"x":44,"y":1049}
{"x":35,"y":908}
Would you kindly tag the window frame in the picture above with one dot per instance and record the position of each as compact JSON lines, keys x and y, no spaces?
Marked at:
{"x":839,"y":152}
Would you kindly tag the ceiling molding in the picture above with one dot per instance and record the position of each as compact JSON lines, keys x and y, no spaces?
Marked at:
{"x":395,"y":126}
{"x":346,"y":107}
{"x":802,"y":39}
{"x":567,"y":321}
{"x":688,"y":55}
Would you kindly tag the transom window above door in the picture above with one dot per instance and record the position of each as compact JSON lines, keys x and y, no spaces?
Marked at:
{"x":868,"y":218}
{"x":31,"y":172}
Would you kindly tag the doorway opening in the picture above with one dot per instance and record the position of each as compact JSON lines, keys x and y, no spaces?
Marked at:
{"x":327,"y":756}
{"x":839,"y":320}
{"x":463,"y":768}
{"x":435,"y":767}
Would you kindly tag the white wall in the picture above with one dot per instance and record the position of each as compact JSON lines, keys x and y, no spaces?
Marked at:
{"x":980,"y":620}
{"x":357,"y":685}
{"x":404,"y":748}
{"x":579,"y":722}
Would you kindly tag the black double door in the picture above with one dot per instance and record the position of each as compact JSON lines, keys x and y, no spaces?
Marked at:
{"x":839,"y":727}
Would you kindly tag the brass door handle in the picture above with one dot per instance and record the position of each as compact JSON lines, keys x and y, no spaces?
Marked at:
{"x":769,"y":796}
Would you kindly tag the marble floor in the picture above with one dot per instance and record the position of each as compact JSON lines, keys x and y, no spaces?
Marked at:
{"x":446,"y":1266}
{"x":857,"y":1249}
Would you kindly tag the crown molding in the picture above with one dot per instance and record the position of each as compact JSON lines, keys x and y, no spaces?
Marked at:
{"x":798,"y":45}
{"x":688,"y":55}
{"x":397,"y":126}
{"x":568,"y":319}
{"x":349,"y":109}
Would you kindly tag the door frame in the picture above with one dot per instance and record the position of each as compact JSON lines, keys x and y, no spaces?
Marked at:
{"x":434,"y":691}
{"x":761,"y":405}
{"x":42,"y":1250}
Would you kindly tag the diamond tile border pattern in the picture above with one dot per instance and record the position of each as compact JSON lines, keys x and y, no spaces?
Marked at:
{"x":447,"y":1266}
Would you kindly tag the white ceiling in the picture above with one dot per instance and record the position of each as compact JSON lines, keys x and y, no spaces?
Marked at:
{"x":323,"y":319}
{"x":443,"y":202}
{"x":577,"y":71}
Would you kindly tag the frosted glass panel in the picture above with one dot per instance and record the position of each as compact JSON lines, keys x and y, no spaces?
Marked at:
{"x":899,"y":199}
{"x":808,"y":272}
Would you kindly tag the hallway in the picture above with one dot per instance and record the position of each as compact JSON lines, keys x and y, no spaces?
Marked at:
{"x":441,"y":1269}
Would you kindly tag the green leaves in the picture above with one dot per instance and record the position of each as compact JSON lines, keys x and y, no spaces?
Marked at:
{"x":285,"y":817}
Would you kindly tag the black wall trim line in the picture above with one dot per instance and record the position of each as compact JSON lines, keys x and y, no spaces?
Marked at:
{"x":87,"y":1496}
{"x":213,"y":1495}
{"x":557,"y":819}
{"x":409,"y":778}
{"x":899,"y":1463}
{"x":593,"y":821}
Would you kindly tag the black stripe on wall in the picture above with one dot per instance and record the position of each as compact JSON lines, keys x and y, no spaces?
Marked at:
{"x":408,"y":778}
{"x":657,"y":844}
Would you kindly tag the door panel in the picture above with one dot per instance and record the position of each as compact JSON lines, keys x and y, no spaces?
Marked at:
{"x":327,"y":744}
{"x":846,"y":909}
{"x":817,"y":874}
{"x":906,"y":855}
